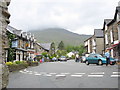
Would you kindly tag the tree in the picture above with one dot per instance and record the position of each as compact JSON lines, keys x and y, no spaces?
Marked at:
{"x":61,"y":46}
{"x":80,"y":49}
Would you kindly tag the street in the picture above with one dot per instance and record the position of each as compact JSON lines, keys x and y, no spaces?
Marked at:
{"x":65,"y":75}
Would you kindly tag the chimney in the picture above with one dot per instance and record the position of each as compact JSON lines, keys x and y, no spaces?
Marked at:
{"x":28,"y":35}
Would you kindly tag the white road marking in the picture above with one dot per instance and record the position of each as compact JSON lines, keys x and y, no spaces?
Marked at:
{"x":38,"y":74}
{"x":52,"y":73}
{"x":80,"y":73}
{"x":60,"y":75}
{"x":76,"y":75}
{"x":115,"y":75}
{"x":64,"y":73}
{"x":98,"y":73}
{"x":48,"y":75}
{"x":116,"y":72}
{"x":95,"y":75}
{"x":25,"y":70}
{"x":22,"y":72}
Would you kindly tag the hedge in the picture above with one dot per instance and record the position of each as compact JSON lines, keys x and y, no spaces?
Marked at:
{"x":18,"y":65}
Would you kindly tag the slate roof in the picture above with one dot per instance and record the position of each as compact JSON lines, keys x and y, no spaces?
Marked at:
{"x":46,"y":46}
{"x":11,"y":29}
{"x":107,"y":21}
{"x":98,"y":32}
{"x":118,"y":9}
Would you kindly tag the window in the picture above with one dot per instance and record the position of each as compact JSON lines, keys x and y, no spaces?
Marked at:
{"x":111,"y":35}
{"x":106,"y":39}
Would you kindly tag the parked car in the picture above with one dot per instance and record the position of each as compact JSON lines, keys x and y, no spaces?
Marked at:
{"x":112,"y":61}
{"x":63,"y":58}
{"x":98,"y":59}
{"x":83,"y":59}
{"x":54,"y":59}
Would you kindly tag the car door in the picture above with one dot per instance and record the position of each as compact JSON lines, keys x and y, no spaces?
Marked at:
{"x":90,"y":58}
{"x":95,"y":58}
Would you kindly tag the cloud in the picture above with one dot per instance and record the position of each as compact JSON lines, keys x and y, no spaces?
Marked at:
{"x":74,"y":15}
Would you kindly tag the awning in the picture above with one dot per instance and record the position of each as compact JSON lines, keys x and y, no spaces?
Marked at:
{"x":31,"y":51}
{"x":20,"y":49}
{"x":110,"y":48}
{"x":114,"y":45}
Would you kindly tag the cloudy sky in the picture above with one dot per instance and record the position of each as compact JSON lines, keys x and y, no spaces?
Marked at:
{"x":79,"y":16}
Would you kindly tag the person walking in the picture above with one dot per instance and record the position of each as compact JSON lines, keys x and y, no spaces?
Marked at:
{"x":77,"y":58}
{"x":107,"y":55}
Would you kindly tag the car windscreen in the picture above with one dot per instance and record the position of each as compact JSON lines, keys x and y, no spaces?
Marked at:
{"x":62,"y":56}
{"x":99,"y":55}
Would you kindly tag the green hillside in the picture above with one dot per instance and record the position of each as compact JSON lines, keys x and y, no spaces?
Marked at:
{"x":57,"y":34}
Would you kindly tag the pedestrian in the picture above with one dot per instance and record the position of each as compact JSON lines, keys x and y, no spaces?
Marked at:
{"x":77,"y":57}
{"x":40,"y":60}
{"x":43,"y":59}
{"x":34,"y":58}
{"x":107,"y":55}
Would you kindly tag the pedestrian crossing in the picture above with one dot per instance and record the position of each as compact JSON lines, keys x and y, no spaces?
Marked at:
{"x":79,"y":75}
{"x":115,"y":74}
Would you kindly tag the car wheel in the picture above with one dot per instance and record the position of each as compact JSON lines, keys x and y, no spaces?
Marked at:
{"x":87,"y":63}
{"x":100,"y":62}
{"x":112,"y":63}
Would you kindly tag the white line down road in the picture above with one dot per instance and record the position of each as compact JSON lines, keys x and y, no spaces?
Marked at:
{"x":48,"y":75}
{"x":116,"y":72}
{"x":37,"y":74}
{"x":76,"y":75}
{"x":95,"y":75}
{"x":115,"y":75}
{"x":60,"y":75}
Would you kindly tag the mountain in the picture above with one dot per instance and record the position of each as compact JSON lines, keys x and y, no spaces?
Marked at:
{"x":58,"y":34}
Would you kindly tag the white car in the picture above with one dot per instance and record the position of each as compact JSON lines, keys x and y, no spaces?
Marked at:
{"x":83,"y":59}
{"x":63,"y":58}
{"x":54,"y":59}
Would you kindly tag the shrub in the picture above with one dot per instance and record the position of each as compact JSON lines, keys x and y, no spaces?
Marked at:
{"x":32,"y":63}
{"x":9,"y":63}
{"x":18,"y":62}
{"x":17,"y":65}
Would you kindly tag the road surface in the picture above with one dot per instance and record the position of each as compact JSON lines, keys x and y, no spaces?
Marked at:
{"x":65,"y":75}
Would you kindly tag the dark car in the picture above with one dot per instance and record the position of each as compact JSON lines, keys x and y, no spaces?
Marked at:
{"x":98,"y":59}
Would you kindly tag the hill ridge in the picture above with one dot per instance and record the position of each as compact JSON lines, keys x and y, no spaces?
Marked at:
{"x":59,"y":34}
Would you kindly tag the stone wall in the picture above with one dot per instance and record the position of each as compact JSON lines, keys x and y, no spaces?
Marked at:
{"x":4,"y":21}
{"x":100,"y":45}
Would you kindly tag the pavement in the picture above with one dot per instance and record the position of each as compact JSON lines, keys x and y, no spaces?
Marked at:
{"x":68,"y":74}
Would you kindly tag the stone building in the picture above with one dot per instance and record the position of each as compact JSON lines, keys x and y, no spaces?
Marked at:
{"x":4,"y":21}
{"x":23,"y":43}
{"x":88,"y":46}
{"x":95,"y":44}
{"x":38,"y":49}
{"x":48,"y":47}
{"x":111,"y":30}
